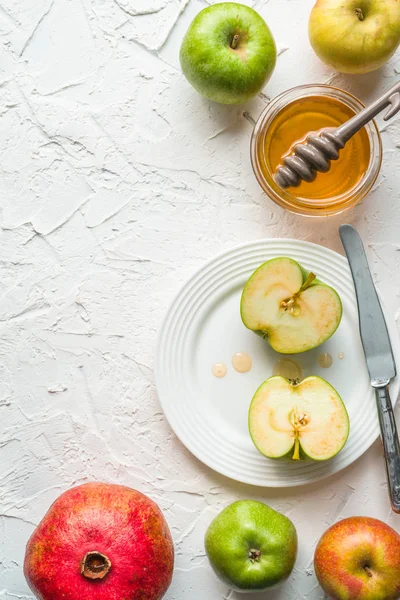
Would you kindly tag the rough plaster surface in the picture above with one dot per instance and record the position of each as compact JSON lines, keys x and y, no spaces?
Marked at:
{"x":117,"y":181}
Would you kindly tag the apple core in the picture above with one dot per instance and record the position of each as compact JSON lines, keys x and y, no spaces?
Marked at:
{"x":298,"y":420}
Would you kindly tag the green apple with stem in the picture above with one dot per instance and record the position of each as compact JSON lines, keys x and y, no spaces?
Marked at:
{"x":300,"y":420}
{"x":355,"y":36}
{"x":289,"y":307}
{"x":251,"y":547}
{"x":228,"y":53}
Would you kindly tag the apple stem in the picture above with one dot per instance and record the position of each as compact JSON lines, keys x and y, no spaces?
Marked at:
{"x":296,"y":453}
{"x":360,"y":14}
{"x":235,"y":41}
{"x":368,"y":571}
{"x":95,"y":565}
{"x":307,"y":283}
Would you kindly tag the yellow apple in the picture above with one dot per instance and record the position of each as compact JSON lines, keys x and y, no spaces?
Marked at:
{"x":355,"y":36}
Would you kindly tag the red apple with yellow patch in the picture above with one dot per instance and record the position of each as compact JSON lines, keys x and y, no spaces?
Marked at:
{"x":359,"y":559}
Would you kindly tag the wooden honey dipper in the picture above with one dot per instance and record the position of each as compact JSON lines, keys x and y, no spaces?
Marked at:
{"x":315,"y":153}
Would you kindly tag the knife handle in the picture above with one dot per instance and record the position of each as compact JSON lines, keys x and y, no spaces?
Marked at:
{"x":391,"y":444}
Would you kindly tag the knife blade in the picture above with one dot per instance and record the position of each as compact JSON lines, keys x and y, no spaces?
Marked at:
{"x":373,"y":329}
{"x":378,"y":353}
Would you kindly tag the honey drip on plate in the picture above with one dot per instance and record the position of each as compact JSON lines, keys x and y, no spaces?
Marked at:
{"x":242,"y":362}
{"x":290,"y":369}
{"x":325,"y":360}
{"x":219,"y":370}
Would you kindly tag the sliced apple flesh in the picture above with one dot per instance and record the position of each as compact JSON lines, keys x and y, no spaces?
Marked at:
{"x":308,"y":420}
{"x":289,"y":306}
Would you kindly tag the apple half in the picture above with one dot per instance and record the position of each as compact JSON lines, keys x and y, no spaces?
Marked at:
{"x":289,"y":306}
{"x":307,"y":420}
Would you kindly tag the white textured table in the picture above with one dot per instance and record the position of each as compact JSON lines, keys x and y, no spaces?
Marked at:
{"x":117,"y":181}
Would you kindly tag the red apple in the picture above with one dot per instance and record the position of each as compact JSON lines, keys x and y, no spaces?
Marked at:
{"x":100,"y":542}
{"x":359,"y":559}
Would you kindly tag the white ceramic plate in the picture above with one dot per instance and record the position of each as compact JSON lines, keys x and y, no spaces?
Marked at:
{"x":203,"y":326}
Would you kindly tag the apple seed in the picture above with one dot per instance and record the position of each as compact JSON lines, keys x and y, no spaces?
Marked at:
{"x":304,"y":419}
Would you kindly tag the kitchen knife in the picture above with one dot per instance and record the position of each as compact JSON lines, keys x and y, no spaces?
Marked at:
{"x":378,"y":353}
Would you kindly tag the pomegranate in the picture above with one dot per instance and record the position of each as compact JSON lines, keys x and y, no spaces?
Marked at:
{"x":100,"y":541}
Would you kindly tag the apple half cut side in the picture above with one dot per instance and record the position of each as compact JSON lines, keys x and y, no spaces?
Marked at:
{"x":289,"y":306}
{"x":307,"y":420}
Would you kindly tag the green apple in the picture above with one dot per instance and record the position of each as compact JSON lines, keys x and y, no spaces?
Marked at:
{"x":228,"y":53}
{"x":306,"y":420}
{"x":250,"y":546}
{"x":359,"y":559}
{"x":355,"y":36}
{"x":289,"y":307}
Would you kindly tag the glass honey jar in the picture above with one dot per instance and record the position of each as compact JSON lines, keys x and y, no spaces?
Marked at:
{"x":288,"y":119}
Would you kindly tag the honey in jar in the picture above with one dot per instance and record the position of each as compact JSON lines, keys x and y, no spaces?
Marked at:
{"x":287,"y":120}
{"x":310,"y":114}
